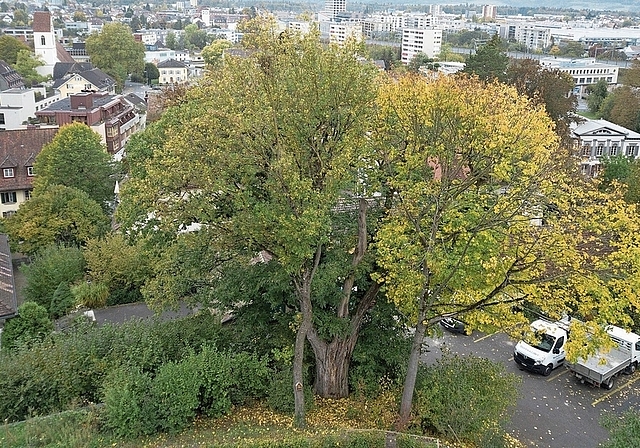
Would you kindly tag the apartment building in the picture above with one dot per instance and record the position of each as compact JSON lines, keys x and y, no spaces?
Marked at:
{"x":419,"y":40}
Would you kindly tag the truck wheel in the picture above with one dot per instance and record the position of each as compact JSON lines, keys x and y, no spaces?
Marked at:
{"x":631,"y":369}
{"x":609,"y":384}
{"x":547,"y":370}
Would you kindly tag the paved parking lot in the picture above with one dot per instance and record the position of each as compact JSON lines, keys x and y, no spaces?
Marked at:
{"x":555,"y":411}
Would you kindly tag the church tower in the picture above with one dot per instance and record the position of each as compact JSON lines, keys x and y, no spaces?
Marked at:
{"x":44,"y":41}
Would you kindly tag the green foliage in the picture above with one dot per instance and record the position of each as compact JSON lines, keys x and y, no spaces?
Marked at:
{"x":624,"y":430}
{"x":381,"y":354}
{"x":621,"y":170}
{"x":76,"y":158}
{"x":390,"y":55}
{"x":280,"y":394}
{"x":129,"y":407}
{"x":26,"y":65}
{"x":90,"y":294}
{"x":10,"y":47}
{"x":622,"y":107}
{"x":422,"y":60}
{"x":489,"y":62}
{"x":463,"y":397}
{"x":60,"y":215}
{"x":212,"y":53}
{"x":138,"y":403}
{"x":175,"y":394}
{"x":48,"y":272}
{"x":115,"y":51}
{"x":62,"y":301}
{"x":597,"y":94}
{"x":70,"y":369}
{"x":31,"y":325}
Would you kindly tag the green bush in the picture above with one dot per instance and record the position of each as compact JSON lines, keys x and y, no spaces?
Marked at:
{"x":30,"y":326}
{"x":175,"y":394}
{"x":129,"y":407}
{"x":48,"y":269}
{"x":465,"y":397}
{"x":280,"y":395}
{"x":91,"y":295}
{"x":69,"y":369}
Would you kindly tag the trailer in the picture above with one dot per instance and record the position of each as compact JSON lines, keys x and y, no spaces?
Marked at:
{"x":601,"y":369}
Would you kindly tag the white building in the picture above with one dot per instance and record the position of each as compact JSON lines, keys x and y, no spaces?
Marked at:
{"x":419,"y":40}
{"x":489,"y":12}
{"x":339,"y":33}
{"x":532,"y":36}
{"x":595,"y":139}
{"x":17,"y":106}
{"x":584,"y":72}
{"x":334,"y":7}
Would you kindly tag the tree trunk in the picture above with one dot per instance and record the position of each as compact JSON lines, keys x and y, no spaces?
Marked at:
{"x":412,"y":373}
{"x":332,"y":367}
{"x":298,"y":373}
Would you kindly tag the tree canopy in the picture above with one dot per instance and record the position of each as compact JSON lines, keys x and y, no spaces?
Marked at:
{"x":116,"y":52}
{"x":58,"y":215}
{"x":340,"y":187}
{"x":76,"y":158}
{"x":10,"y":47}
{"x":489,"y":62}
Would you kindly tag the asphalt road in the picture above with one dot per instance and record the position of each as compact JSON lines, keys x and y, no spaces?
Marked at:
{"x":555,"y":411}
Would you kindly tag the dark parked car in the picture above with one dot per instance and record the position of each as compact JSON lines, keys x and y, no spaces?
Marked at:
{"x":453,"y":325}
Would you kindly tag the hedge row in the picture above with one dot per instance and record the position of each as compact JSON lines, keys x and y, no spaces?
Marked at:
{"x":68,"y":369}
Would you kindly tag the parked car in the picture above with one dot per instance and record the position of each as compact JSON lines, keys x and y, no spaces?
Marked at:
{"x":453,"y":325}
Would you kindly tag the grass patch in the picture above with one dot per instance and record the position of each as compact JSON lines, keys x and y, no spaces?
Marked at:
{"x":347,"y":423}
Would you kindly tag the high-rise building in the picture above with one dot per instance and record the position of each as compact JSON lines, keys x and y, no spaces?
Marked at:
{"x":420,"y":40}
{"x":335,"y":7}
{"x":489,"y":11}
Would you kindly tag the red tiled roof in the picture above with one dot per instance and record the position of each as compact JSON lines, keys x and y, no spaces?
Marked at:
{"x":20,"y":147}
{"x":41,"y":22}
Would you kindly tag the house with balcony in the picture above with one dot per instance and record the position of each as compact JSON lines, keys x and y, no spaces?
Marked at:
{"x":18,"y":151}
{"x":595,"y":139}
{"x":113,"y":117}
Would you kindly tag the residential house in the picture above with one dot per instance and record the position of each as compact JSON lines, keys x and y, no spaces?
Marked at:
{"x":78,"y":79}
{"x":18,"y":106}
{"x":9,"y":78}
{"x":113,"y":117}
{"x":18,"y":151}
{"x":595,"y":139}
{"x":8,"y":298}
{"x":173,"y":72}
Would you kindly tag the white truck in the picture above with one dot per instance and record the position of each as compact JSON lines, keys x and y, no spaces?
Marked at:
{"x":601,"y":368}
{"x":545,"y":351}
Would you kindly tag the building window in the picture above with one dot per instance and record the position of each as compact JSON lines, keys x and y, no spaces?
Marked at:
{"x":43,"y":40}
{"x":586,"y":150}
{"x":9,"y":197}
{"x":599,"y":150}
{"x":27,"y":194}
{"x":30,"y":171}
{"x":9,"y":213}
{"x":7,"y":172}
{"x":2,"y":119}
{"x":631,"y":150}
{"x":614,"y":150}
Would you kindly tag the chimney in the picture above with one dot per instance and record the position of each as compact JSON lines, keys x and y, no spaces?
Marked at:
{"x":81,"y":100}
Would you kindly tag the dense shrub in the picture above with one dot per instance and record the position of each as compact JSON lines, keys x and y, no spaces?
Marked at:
{"x":51,"y":267}
{"x":175,"y":394}
{"x":129,"y":409}
{"x":90,"y":295}
{"x":199,"y":383}
{"x":31,"y":325}
{"x":465,"y":397}
{"x":69,"y":369}
{"x":280,"y":395}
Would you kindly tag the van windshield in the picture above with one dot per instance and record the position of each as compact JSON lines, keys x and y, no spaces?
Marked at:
{"x":544,"y":342}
